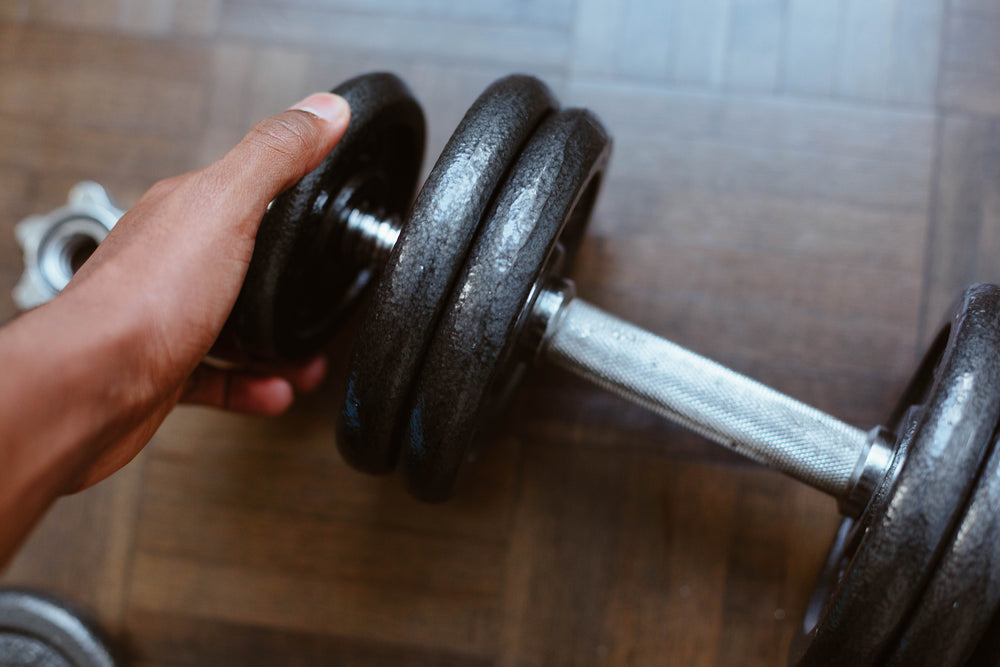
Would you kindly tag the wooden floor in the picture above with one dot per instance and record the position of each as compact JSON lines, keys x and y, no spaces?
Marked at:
{"x":798,"y":189}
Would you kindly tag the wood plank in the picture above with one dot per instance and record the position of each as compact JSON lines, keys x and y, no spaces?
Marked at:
{"x":177,"y":640}
{"x":570,"y":513}
{"x":128,"y":56}
{"x":669,"y":563}
{"x":975,"y":92}
{"x":90,"y":14}
{"x":640,"y":112}
{"x":753,"y":59}
{"x":764,"y":599}
{"x":152,"y":17}
{"x":534,"y":12}
{"x":13,"y":10}
{"x":865,"y":54}
{"x":227,"y":101}
{"x":973,"y":43}
{"x":277,"y":81}
{"x":976,"y":6}
{"x":267,"y":539}
{"x":292,"y":466}
{"x":971,"y":62}
{"x":700,"y":38}
{"x":646,"y":43}
{"x":751,"y":277}
{"x":613,"y":595}
{"x":37,"y":145}
{"x":514,"y":45}
{"x":10,"y":37}
{"x":135,"y":17}
{"x":822,"y":230}
{"x":705,"y":145}
{"x":751,"y":170}
{"x":196,"y":18}
{"x":286,"y":600}
{"x":916,"y":52}
{"x":95,"y":98}
{"x":965,"y":235}
{"x":811,"y":47}
{"x":15,"y":188}
{"x":596,"y":28}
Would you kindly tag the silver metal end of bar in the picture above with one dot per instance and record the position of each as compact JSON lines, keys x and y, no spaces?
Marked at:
{"x":545,"y":315}
{"x":869,"y":473}
{"x":722,"y":405}
{"x":56,"y":245}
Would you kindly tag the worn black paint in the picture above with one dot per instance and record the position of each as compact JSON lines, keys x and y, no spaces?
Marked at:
{"x":909,"y":524}
{"x":963,"y":595}
{"x":424,"y":263}
{"x":298,"y":286}
{"x":472,"y":356}
{"x":987,"y":652}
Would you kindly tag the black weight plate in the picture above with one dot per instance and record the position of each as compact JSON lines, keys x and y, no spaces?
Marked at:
{"x":299,"y":286}
{"x":987,"y":654}
{"x":422,"y":267}
{"x":547,"y":198}
{"x":903,"y":532}
{"x":41,"y":631}
{"x":964,"y":592}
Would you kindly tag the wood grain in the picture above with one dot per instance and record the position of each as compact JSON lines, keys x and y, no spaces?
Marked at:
{"x":798,"y":189}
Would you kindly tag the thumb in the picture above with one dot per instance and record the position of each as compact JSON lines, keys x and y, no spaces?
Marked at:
{"x":280,"y":150}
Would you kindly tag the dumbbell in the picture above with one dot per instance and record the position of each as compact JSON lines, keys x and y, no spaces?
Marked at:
{"x":469,"y":296}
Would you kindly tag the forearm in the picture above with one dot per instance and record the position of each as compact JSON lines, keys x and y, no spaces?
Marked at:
{"x":66,"y":392}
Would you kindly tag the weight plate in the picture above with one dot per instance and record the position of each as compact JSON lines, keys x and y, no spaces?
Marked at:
{"x":986,"y":654}
{"x":471,"y":359}
{"x":299,"y":285}
{"x":41,"y":631}
{"x":422,"y":267}
{"x":964,"y":592}
{"x":875,"y":578}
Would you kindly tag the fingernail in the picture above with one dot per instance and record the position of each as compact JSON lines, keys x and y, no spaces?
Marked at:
{"x":327,"y":106}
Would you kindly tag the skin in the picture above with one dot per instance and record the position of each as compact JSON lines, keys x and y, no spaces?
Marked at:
{"x":88,"y":377}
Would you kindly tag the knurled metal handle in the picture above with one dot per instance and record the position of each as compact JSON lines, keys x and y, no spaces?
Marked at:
{"x":722,"y":405}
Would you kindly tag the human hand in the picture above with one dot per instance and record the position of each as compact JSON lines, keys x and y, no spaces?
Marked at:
{"x":194,"y":231}
{"x":90,"y":376}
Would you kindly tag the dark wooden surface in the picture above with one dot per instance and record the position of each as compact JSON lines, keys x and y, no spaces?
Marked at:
{"x":798,"y":189}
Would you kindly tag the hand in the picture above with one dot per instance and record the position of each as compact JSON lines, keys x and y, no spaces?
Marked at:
{"x":90,"y":376}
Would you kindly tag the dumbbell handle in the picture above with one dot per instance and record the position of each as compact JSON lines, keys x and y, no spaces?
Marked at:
{"x":722,"y":405}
